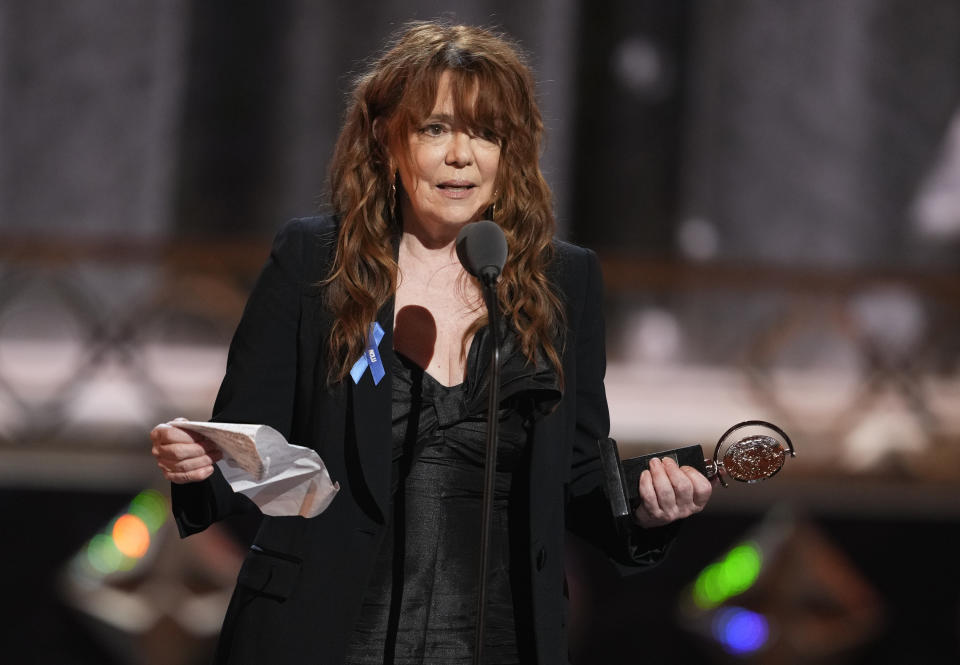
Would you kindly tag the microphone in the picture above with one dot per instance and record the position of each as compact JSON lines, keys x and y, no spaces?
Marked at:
{"x":482,"y":249}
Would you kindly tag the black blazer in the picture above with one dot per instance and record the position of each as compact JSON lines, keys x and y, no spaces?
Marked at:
{"x":301,"y":585}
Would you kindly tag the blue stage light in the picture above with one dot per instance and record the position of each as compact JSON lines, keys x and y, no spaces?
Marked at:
{"x":739,"y":630}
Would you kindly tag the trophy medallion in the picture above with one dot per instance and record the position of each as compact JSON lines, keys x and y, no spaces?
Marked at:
{"x":748,"y":452}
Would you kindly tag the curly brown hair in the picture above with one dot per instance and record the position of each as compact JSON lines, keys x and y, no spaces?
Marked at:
{"x":493,"y":93}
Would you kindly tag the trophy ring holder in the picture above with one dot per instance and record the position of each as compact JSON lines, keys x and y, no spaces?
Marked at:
{"x":748,"y":452}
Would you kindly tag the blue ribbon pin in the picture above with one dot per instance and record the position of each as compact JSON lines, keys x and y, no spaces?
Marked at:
{"x":371,"y":357}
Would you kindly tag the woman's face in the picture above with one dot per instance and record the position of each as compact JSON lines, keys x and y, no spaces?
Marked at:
{"x":450,"y":175}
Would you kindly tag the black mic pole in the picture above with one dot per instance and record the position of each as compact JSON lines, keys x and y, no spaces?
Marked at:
{"x":490,"y":465}
{"x":482,"y":249}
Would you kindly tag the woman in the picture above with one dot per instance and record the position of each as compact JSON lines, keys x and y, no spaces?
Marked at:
{"x":443,"y":130}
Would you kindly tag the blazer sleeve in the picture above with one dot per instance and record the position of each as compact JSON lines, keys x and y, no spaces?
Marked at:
{"x":260,"y":377}
{"x":588,"y":510}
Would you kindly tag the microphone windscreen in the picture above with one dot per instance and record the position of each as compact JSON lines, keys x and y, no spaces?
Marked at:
{"x":482,"y":248}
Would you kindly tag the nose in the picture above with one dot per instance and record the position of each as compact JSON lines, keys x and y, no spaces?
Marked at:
{"x":459,"y":151}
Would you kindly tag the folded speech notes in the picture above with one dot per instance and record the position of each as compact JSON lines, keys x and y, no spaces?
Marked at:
{"x":281,"y":478}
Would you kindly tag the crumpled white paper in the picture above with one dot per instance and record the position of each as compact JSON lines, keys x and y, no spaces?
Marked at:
{"x":281,"y":478}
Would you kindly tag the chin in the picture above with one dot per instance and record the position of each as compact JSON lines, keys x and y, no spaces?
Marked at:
{"x":462,"y":217}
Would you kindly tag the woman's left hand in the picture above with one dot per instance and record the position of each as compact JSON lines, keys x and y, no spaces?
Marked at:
{"x":669,"y":492}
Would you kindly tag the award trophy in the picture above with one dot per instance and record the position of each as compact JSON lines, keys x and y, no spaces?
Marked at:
{"x":749,"y":452}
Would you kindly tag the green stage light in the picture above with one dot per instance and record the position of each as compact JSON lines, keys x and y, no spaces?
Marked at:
{"x":730,"y":576}
{"x":151,"y":507}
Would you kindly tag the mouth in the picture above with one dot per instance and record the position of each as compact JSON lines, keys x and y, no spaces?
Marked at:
{"x":456,"y":185}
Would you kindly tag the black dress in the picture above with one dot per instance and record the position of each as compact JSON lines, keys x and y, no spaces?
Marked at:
{"x":420,"y":605}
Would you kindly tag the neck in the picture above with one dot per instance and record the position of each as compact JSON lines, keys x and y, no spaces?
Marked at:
{"x":427,"y":249}
{"x":430,"y":234}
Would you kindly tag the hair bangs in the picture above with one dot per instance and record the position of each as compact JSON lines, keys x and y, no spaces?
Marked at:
{"x":479,"y":103}
{"x":482,"y":101}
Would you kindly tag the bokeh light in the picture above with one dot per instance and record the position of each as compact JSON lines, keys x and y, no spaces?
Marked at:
{"x":740,"y":630}
{"x":131,"y":536}
{"x":731,"y":576}
{"x":151,"y":507}
{"x":103,"y":555}
{"x":125,"y":540}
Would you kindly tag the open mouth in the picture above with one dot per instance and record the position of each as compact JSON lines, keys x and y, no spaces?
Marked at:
{"x":456,"y":186}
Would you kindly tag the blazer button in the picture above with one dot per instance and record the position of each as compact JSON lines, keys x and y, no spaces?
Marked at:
{"x":541,"y":559}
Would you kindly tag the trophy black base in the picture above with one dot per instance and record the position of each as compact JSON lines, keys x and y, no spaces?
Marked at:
{"x":621,"y":478}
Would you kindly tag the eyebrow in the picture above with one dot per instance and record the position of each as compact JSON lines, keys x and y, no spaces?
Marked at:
{"x":440,"y":117}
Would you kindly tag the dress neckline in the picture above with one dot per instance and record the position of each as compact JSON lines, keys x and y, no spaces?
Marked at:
{"x":466,"y":366}
{"x":517,"y":375}
{"x":403,"y":358}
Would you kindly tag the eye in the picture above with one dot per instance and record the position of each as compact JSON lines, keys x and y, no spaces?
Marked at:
{"x":487,"y":135}
{"x":433,"y":129}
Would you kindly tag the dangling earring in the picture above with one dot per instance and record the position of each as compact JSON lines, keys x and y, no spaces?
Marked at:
{"x":392,"y":197}
{"x":496,"y":206}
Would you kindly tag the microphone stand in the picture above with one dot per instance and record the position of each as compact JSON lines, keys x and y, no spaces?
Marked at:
{"x":489,"y":279}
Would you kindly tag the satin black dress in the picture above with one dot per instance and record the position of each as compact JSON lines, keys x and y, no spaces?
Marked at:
{"x":420,"y":605}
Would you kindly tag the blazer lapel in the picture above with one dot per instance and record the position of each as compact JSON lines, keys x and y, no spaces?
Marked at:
{"x":371,"y":417}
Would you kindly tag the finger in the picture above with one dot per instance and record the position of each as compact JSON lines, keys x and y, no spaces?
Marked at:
{"x":648,"y":514}
{"x":174,"y":452}
{"x":645,"y":519}
{"x":681,"y":483}
{"x":702,"y":487}
{"x":171,"y":434}
{"x":189,"y":464}
{"x":666,"y":497}
{"x":183,"y":477}
{"x":167,"y":434}
{"x":209,"y":446}
{"x":177,"y":452}
{"x":184,"y":432}
{"x":648,"y":495}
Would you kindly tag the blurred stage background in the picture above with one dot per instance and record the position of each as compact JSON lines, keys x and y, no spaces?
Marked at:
{"x":773,"y":188}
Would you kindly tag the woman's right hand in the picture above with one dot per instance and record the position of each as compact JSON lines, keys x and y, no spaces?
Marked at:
{"x":183,"y":457}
